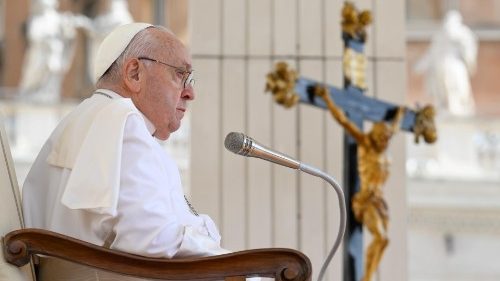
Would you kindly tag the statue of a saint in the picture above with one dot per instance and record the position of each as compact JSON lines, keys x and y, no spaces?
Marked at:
{"x":448,"y":64}
{"x":50,"y":36}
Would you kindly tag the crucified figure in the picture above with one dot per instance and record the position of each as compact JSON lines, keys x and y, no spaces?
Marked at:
{"x":368,"y":204}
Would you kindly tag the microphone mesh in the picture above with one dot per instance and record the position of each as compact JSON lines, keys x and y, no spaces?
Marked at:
{"x":234,"y":141}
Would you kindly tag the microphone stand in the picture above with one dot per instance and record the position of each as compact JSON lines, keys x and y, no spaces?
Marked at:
{"x":241,"y":144}
{"x":340,"y":194}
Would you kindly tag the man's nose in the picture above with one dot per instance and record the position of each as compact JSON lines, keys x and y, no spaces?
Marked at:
{"x":188,"y":93}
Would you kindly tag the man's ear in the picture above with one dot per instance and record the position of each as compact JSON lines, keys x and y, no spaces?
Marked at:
{"x":132,"y":74}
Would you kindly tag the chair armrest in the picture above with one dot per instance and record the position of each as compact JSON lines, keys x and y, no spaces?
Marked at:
{"x":282,"y":264}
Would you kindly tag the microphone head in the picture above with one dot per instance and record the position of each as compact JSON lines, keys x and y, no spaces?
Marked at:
{"x":234,"y":141}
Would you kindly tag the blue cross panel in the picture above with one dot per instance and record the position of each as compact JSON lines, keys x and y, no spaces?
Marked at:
{"x":351,"y":99}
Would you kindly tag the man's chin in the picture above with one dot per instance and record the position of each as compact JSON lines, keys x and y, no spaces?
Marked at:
{"x":174,"y":128}
{"x":162,"y":137}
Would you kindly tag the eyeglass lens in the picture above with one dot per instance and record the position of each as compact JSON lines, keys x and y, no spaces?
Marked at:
{"x":189,"y":80}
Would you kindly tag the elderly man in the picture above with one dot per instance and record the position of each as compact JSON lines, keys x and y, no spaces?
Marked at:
{"x":102,"y":176}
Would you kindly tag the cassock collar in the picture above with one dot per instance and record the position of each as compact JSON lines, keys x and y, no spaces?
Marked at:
{"x":113,"y":95}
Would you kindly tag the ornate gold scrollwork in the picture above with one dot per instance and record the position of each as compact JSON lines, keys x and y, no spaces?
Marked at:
{"x":281,"y":84}
{"x":354,"y":22}
{"x":424,"y":124}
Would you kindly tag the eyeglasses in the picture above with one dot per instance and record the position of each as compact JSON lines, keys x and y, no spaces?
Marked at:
{"x":187,"y":76}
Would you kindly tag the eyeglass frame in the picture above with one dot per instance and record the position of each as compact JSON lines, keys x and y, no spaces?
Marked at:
{"x":187,"y":78}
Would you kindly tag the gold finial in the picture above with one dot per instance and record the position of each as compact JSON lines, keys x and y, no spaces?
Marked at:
{"x":354,"y":23}
{"x":281,"y":83}
{"x":425,"y":125}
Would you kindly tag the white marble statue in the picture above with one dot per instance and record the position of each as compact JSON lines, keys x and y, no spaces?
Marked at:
{"x":448,"y":64}
{"x":50,"y":49}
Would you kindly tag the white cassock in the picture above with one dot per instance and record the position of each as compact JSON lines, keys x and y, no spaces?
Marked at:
{"x":101,"y":177}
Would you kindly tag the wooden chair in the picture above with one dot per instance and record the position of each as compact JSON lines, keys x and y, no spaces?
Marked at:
{"x":20,"y":245}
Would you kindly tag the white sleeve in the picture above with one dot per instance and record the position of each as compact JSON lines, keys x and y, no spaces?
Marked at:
{"x":147,"y":223}
{"x":197,"y":244}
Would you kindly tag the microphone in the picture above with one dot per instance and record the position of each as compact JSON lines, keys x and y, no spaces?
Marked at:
{"x":241,"y":144}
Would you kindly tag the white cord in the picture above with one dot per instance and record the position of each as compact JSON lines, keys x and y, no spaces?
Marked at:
{"x":340,"y":194}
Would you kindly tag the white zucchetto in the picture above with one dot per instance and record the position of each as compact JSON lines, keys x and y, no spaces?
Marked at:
{"x":113,"y":46}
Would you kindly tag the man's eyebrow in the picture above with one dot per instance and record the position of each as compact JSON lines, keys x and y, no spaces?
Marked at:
{"x":184,"y":62}
{"x":188,"y":66}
